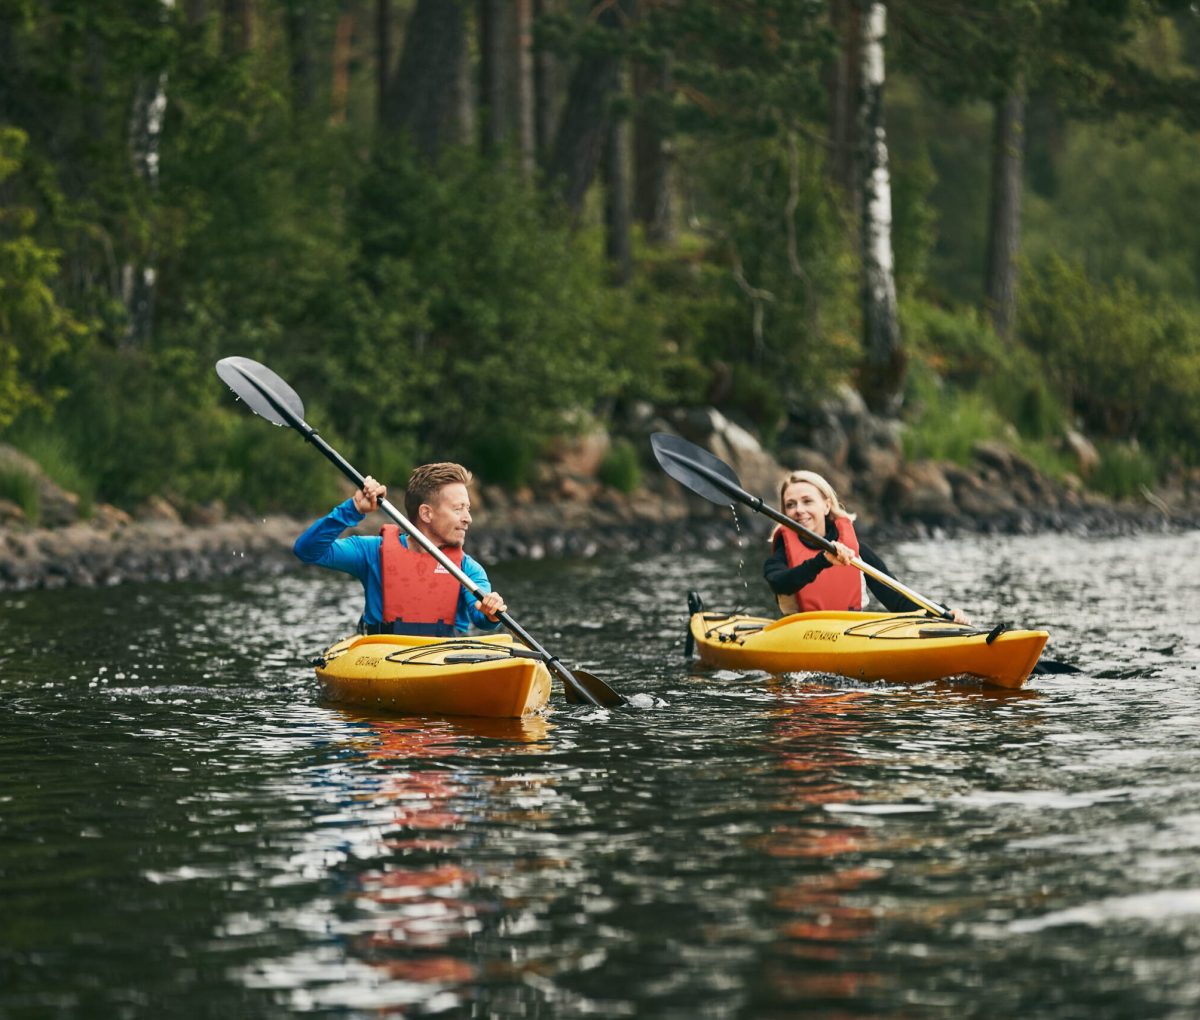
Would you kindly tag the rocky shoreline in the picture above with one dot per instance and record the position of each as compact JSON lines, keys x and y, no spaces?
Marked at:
{"x":569,"y":513}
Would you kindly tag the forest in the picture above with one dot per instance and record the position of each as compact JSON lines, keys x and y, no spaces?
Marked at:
{"x":463,"y":228}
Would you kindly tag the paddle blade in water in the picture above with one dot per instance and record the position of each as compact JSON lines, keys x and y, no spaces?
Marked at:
{"x":261,"y":389}
{"x":681,"y":460}
{"x":601,"y":693}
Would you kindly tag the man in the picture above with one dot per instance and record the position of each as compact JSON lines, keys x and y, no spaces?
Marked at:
{"x":407,"y":590}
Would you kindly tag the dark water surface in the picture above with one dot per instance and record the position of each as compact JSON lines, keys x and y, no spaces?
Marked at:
{"x":186,"y":830}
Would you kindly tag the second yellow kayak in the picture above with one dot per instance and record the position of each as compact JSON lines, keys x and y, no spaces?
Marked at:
{"x":902,"y":648}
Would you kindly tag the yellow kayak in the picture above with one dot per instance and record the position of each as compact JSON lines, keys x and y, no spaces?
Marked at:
{"x":902,"y":648}
{"x":479,"y":676}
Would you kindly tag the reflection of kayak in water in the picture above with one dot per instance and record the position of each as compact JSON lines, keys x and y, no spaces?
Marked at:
{"x":488,"y":676}
{"x":902,"y":648}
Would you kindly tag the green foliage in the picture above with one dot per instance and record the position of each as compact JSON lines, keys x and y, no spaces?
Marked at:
{"x":36,"y":330}
{"x":21,"y":488}
{"x":1127,"y":365}
{"x":961,"y":349}
{"x":54,"y":454}
{"x":620,"y":468}
{"x":495,"y":305}
{"x":1120,"y":211}
{"x":1124,"y":471}
{"x":506,"y":460}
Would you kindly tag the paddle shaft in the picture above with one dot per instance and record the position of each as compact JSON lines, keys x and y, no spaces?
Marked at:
{"x":352,"y":473}
{"x":756,"y":504}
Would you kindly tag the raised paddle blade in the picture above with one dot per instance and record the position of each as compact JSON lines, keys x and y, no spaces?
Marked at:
{"x":679,"y":459}
{"x":262,"y":390}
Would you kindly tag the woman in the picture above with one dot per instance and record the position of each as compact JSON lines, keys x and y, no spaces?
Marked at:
{"x":805,"y":579}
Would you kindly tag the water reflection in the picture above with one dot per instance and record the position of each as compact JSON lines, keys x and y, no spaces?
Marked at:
{"x":408,"y":898}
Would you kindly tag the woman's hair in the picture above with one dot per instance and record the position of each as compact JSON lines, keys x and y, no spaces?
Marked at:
{"x":823,"y":487}
{"x":426,"y":480}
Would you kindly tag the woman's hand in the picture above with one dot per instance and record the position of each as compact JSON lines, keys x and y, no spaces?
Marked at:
{"x":367,"y":498}
{"x":841,"y":555}
{"x":958,"y":616}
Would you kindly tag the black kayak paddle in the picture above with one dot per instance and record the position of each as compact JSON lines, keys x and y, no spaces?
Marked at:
{"x":270,"y":397}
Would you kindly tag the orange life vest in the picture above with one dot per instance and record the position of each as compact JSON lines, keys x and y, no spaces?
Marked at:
{"x":420,"y":596}
{"x":835,"y":587}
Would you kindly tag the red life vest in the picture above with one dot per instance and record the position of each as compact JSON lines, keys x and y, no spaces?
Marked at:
{"x":835,"y":587}
{"x":420,"y":596}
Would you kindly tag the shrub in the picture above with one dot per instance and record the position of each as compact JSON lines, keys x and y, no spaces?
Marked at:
{"x":620,"y":468}
{"x":21,"y":487}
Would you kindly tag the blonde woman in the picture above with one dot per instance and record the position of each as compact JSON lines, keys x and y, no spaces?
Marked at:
{"x":806,"y":579}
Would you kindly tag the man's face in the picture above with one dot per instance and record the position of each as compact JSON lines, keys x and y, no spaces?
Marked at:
{"x":448,"y":514}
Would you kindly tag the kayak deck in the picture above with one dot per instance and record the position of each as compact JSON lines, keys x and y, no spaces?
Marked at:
{"x":478,"y":676}
{"x":901,"y":648}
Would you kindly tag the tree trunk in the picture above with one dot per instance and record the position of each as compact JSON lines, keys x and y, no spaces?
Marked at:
{"x":1004,"y":225}
{"x":617,"y":244}
{"x":383,"y":52}
{"x":343,"y":55}
{"x":429,"y":95}
{"x":842,"y":84}
{"x":237,"y":27}
{"x":139,"y":273}
{"x":653,"y":155}
{"x":195,"y":11}
{"x":523,"y":86}
{"x":546,"y":88}
{"x":300,"y":25}
{"x":883,"y":354}
{"x":583,"y":128}
{"x":493,"y":113}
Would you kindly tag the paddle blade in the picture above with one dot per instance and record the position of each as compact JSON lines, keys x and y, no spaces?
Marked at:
{"x":596,"y":690}
{"x":263,"y":391}
{"x":1046,"y":666}
{"x":689,"y":464}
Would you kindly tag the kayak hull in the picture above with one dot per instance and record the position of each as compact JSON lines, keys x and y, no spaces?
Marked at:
{"x":900,"y":648}
{"x":487,"y":677}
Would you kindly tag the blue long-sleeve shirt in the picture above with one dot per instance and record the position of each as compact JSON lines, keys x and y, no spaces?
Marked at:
{"x":359,"y":555}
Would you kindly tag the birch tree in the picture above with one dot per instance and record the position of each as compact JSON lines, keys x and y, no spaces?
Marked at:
{"x":883,"y":365}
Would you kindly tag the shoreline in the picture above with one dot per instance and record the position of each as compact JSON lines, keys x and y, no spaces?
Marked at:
{"x":104,"y":552}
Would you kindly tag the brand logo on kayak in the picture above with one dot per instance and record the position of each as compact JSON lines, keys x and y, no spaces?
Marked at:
{"x":367,"y":660}
{"x":439,"y":569}
{"x":821,"y":635}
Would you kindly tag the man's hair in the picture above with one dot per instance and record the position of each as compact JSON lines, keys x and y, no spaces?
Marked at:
{"x":426,"y":480}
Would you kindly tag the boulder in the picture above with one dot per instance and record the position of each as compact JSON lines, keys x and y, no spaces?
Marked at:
{"x":157,"y":508}
{"x":921,"y":491}
{"x":1082,"y":451}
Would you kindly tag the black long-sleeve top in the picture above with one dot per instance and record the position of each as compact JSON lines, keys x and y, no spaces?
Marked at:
{"x":785,"y":580}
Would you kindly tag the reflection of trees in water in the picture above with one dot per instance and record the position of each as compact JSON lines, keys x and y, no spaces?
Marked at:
{"x":825,"y":929}
{"x":414,"y":912}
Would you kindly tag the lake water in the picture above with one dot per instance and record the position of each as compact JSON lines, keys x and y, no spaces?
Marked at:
{"x":187,"y":830}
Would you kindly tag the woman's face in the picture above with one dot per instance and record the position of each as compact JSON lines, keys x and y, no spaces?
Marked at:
{"x":804,"y":504}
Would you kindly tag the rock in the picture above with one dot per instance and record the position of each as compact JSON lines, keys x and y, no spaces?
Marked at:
{"x":107,"y":517}
{"x":1086,"y":456}
{"x":877,"y":467}
{"x":157,"y":508}
{"x":11,"y":514}
{"x":920,"y":490}
{"x":203,"y":515}
{"x":581,"y":455}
